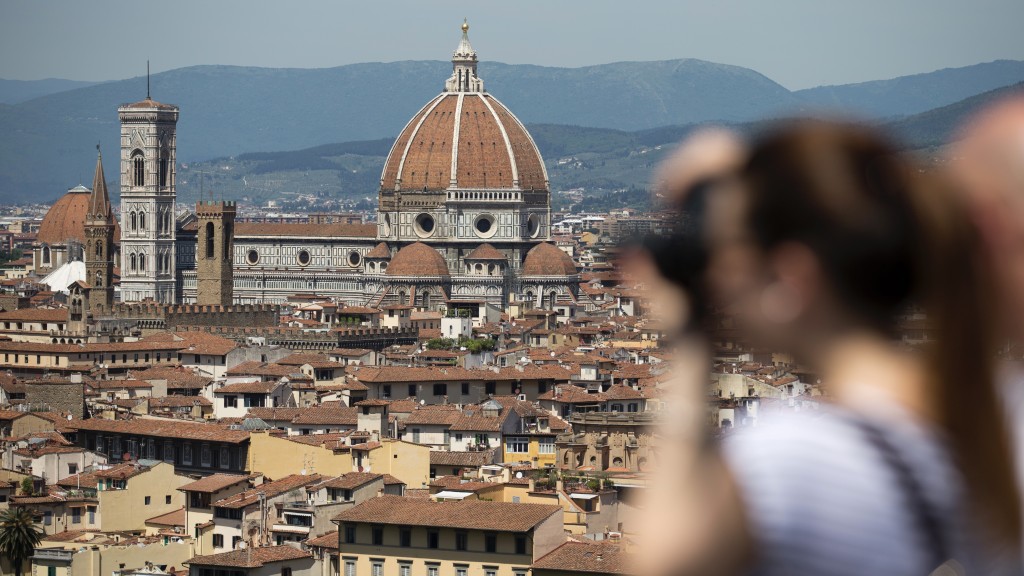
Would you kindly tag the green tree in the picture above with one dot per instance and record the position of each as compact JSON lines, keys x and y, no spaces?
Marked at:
{"x":19,"y":535}
{"x":26,"y":486}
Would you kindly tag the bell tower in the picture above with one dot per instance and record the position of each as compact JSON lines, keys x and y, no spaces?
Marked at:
{"x":99,"y":245}
{"x":214,"y":253}
{"x":148,"y":154}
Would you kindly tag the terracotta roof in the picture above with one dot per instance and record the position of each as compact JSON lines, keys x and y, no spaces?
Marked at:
{"x":391,"y":374}
{"x":352,"y":480}
{"x":175,"y":518}
{"x":177,"y":377}
{"x":314,"y":359}
{"x":268,"y":489}
{"x":247,"y":388}
{"x":329,"y":541}
{"x":35,"y":315}
{"x":586,"y":557}
{"x":381,"y":250}
{"x":417,"y":259}
{"x":257,"y":368}
{"x":162,"y":427}
{"x":350,"y":352}
{"x":474,"y":459}
{"x":150,"y":103}
{"x":243,"y":229}
{"x":274,"y":414}
{"x":484,"y":147}
{"x":372,"y":402}
{"x":433,"y":414}
{"x":546,"y":259}
{"x":176,"y":401}
{"x":196,"y":342}
{"x":466,"y":514}
{"x":214,"y":482}
{"x":485,"y":252}
{"x":250,"y":557}
{"x":327,"y":415}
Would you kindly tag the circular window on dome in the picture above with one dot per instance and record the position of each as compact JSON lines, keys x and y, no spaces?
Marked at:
{"x":354,"y":258}
{"x":303,"y":257}
{"x":385,"y":225}
{"x":484,"y":226}
{"x":533,"y":225}
{"x":252,"y":257}
{"x":424,"y":225}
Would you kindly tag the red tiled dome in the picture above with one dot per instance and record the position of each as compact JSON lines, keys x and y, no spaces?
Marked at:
{"x":485,"y":252}
{"x":491,"y":147}
{"x":381,"y":250}
{"x":546,"y":259}
{"x":65,"y":220}
{"x":417,"y":259}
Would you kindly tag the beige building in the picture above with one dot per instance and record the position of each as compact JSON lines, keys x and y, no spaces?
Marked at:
{"x":277,"y":457}
{"x":392,"y":536}
{"x":95,"y":554}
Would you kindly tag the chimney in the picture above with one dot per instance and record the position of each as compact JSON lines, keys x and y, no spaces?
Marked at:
{"x":533,"y":484}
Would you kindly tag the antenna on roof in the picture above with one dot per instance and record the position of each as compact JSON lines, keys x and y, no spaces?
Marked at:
{"x":147,"y":80}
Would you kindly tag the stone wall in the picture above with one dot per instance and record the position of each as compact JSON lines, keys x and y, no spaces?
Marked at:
{"x":57,"y":396}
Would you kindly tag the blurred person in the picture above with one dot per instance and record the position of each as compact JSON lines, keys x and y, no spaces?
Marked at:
{"x":825,"y":237}
{"x":988,"y":158}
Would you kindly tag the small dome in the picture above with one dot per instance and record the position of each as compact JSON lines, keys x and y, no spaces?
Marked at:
{"x":65,"y":220}
{"x":417,"y":259}
{"x":546,"y":259}
{"x":379,"y":251}
{"x":485,"y":252}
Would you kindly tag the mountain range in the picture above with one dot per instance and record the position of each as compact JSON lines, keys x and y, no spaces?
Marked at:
{"x":47,"y":142}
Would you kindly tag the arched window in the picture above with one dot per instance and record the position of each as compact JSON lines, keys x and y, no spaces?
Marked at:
{"x":552,"y":298}
{"x":134,"y":221}
{"x":99,"y":280}
{"x":131,"y":260}
{"x":209,"y":239}
{"x":138,"y":167}
{"x":426,"y":300}
{"x":99,"y":248}
{"x":163,"y":168}
{"x":142,"y":221}
{"x":142,"y":263}
{"x":46,"y":254}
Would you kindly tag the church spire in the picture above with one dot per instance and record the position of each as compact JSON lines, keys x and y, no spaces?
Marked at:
{"x":464,"y":78}
{"x":99,"y":202}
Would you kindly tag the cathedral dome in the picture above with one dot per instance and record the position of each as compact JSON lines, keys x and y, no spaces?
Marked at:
{"x":65,"y":220}
{"x":417,"y":259}
{"x":546,"y":259}
{"x":464,"y":139}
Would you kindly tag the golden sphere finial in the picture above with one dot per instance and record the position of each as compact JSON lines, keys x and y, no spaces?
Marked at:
{"x":465,"y":25}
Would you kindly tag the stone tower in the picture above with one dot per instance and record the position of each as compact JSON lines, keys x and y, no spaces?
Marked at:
{"x":214,"y":253}
{"x":99,"y":245}
{"x":148,"y":150}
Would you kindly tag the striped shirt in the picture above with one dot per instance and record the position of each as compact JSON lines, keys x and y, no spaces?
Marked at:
{"x":820,"y":497}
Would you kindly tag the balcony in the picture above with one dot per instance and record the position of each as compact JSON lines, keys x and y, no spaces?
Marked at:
{"x":53,"y":554}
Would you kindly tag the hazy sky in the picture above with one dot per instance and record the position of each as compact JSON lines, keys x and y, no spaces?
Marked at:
{"x":798,"y":43}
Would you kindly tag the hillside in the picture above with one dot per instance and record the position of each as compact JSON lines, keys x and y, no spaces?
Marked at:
{"x":47,"y":144}
{"x":588,"y":167}
{"x":936,"y":127}
{"x":16,"y":91}
{"x":916,"y":93}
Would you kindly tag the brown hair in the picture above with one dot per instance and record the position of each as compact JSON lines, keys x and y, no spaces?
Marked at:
{"x":887,"y":237}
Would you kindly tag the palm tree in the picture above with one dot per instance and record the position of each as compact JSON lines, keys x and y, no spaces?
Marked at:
{"x":19,"y":536}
